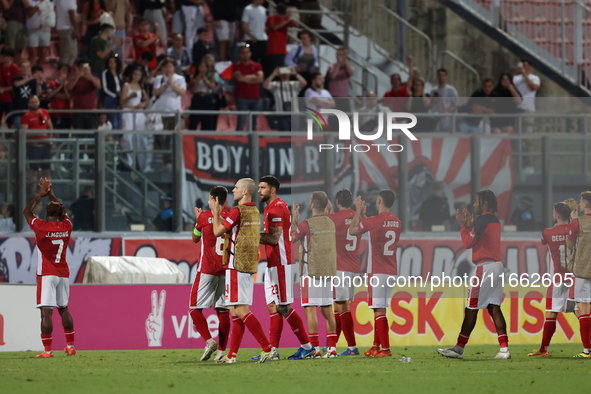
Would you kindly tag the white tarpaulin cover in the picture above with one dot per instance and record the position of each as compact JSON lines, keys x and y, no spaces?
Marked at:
{"x":132,"y":270}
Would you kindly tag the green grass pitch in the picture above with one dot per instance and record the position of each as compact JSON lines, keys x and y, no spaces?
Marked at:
{"x":169,"y":371}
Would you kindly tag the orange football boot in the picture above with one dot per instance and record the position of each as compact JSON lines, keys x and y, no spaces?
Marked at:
{"x":538,"y":353}
{"x":44,"y":355}
{"x":384,"y":353}
{"x":372,"y":351}
{"x":70,"y":351}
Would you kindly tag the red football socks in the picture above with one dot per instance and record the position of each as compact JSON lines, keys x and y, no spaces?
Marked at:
{"x":224,"y":329}
{"x":314,"y":339}
{"x":381,"y":326}
{"x":47,"y":340}
{"x":70,"y":337}
{"x":549,"y":329}
{"x":200,"y":324}
{"x":503,"y":340}
{"x":297,"y":326}
{"x":585,"y":323}
{"x":337,"y":319}
{"x":332,"y":340}
{"x":275,"y":329}
{"x":255,"y":328}
{"x":348,"y":328}
{"x":237,"y":334}
{"x":463,"y":340}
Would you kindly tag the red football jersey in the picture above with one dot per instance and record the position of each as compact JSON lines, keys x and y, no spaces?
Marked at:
{"x":232,"y":224}
{"x":60,"y":100}
{"x":277,"y":214}
{"x":347,"y":245}
{"x":555,"y":238}
{"x":384,"y":233}
{"x":212,"y":247}
{"x":36,"y":121}
{"x":152,"y":48}
{"x":52,"y":244}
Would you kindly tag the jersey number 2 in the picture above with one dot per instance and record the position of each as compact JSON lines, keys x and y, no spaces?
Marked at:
{"x":387,"y":251}
{"x":59,"y":242}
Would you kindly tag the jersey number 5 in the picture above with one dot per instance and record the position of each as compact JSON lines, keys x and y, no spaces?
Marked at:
{"x":387,"y":251}
{"x":350,"y":247}
{"x":59,"y":242}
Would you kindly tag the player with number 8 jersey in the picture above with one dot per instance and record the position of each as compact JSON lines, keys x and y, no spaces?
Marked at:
{"x":210,"y":281}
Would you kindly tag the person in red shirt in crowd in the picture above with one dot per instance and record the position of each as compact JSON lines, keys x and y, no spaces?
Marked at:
{"x":37,"y":146}
{"x":146,"y":41}
{"x":8,"y":70}
{"x":83,"y":92}
{"x":59,"y":96}
{"x":277,"y":26}
{"x":396,"y":98}
{"x":248,"y":77}
{"x":53,"y":286}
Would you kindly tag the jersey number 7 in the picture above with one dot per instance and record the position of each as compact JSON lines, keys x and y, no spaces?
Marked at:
{"x":59,"y":242}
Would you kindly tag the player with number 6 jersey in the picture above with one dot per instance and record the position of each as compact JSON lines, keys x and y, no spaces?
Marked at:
{"x":557,"y":294}
{"x":53,"y":274}
{"x":210,"y":282}
{"x":384,"y":232}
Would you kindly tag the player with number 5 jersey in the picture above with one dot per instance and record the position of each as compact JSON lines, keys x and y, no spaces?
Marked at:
{"x":383,"y":232}
{"x":210,"y":282}
{"x":53,"y":274}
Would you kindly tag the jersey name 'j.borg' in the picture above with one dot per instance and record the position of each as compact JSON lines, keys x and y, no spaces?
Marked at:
{"x":390,"y":223}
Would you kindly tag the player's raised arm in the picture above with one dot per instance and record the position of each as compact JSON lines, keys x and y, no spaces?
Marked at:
{"x":359,"y":211}
{"x":216,"y":211}
{"x":45,"y":189}
{"x":196,"y":233}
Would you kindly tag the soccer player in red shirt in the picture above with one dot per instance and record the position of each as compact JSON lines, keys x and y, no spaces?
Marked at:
{"x":53,"y":287}
{"x":146,"y":41}
{"x":347,"y":269}
{"x":556,"y":296}
{"x":37,"y":146}
{"x":239,"y":285}
{"x":279,"y":273}
{"x":483,"y":236}
{"x":384,"y":233}
{"x":210,"y":281}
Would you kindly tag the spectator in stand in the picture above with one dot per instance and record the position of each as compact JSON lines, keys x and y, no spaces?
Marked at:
{"x":482,"y":101}
{"x":338,"y":82}
{"x":104,"y":123}
{"x":254,"y":18}
{"x":59,"y":97}
{"x":224,"y":21}
{"x":200,"y":48}
{"x":83,"y":92}
{"x":397,"y":97}
{"x":153,"y":11}
{"x":435,"y":209}
{"x":145,"y":41}
{"x":91,"y":17}
{"x":123,"y":17}
{"x":7,"y":218}
{"x":169,"y":88}
{"x":201,"y":84}
{"x":178,"y":20}
{"x":285,"y":93}
{"x":444,"y":99}
{"x":143,"y":62}
{"x":15,"y":12}
{"x":248,"y":76}
{"x":223,"y":84}
{"x":179,"y":53}
{"x":527,"y":84}
{"x":163,"y":222}
{"x":369,"y":112}
{"x":112,"y":83}
{"x":316,"y":96}
{"x":37,"y":146}
{"x":304,"y":57}
{"x":83,"y":210}
{"x":523,"y":216}
{"x":194,"y":19}
{"x":509,"y":100}
{"x":66,"y":25}
{"x":312,"y":21}
{"x":101,"y":48}
{"x":418,"y":104}
{"x":134,"y":98}
{"x":277,"y":26}
{"x":39,"y":35}
{"x":8,"y":70}
{"x":25,"y":86}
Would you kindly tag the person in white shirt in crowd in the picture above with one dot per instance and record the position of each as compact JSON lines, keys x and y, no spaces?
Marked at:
{"x":112,"y":82}
{"x":444,"y":100}
{"x":304,"y":57}
{"x":285,"y":92}
{"x":316,"y":96}
{"x":7,"y":218}
{"x":65,"y":13}
{"x":135,"y":99}
{"x":179,"y":53}
{"x":194,"y":19}
{"x":39,"y":29}
{"x":527,"y":84}
{"x":254,"y":20}
{"x":104,"y":123}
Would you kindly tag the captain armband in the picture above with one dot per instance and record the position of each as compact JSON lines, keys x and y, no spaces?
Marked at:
{"x":197,"y":232}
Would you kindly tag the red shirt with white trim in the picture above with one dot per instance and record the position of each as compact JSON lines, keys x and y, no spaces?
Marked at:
{"x":484,"y":238}
{"x":36,"y":121}
{"x":52,"y":243}
{"x":555,"y":238}
{"x":212,"y":247}
{"x":232,"y":224}
{"x":347,"y":245}
{"x":277,"y":214}
{"x":384,"y":233}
